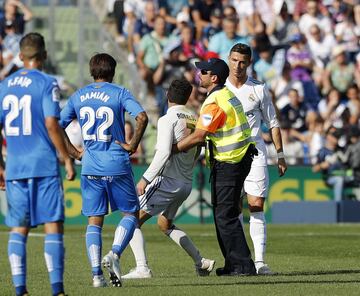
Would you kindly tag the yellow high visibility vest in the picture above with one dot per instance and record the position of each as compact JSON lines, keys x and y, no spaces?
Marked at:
{"x":231,"y":141}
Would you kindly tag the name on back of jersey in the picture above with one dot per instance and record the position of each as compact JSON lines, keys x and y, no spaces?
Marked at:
{"x":22,"y":81}
{"x":97,"y":95}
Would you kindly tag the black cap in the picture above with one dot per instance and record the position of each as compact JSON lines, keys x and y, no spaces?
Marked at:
{"x":216,"y":66}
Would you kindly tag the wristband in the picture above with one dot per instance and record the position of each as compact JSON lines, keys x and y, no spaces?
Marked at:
{"x":280,"y":155}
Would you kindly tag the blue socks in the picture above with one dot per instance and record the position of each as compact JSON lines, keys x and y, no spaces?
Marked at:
{"x":123,"y":234}
{"x":93,"y":247}
{"x":54,"y":256}
{"x":17,"y":258}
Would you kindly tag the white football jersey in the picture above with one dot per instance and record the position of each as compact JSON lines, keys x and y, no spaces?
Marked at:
{"x":175,"y":125}
{"x":258,"y":107}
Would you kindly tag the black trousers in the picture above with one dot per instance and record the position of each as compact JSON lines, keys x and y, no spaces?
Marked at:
{"x":226,"y":184}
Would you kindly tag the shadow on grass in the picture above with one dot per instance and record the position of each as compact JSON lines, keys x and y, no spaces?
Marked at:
{"x":254,"y":283}
{"x":322,"y":272}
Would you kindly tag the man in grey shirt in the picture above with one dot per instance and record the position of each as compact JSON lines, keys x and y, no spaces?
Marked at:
{"x":168,"y":182}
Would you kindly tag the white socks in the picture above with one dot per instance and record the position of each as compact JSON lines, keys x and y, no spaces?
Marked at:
{"x":180,"y":237}
{"x":137,"y":245}
{"x":258,"y":235}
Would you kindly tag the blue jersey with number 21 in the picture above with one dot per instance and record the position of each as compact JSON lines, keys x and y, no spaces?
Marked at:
{"x":27,"y":97}
{"x":100,"y":109}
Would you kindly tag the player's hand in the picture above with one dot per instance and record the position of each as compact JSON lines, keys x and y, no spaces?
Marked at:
{"x":70,"y":170}
{"x":140,"y":187}
{"x":80,"y":153}
{"x":282,"y":166}
{"x":2,"y":178}
{"x":127,"y":147}
{"x":175,"y":149}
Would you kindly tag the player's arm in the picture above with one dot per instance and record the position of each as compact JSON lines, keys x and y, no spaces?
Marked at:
{"x":141,"y":123}
{"x":56,"y":135}
{"x":72,"y":150}
{"x":270,"y":118}
{"x":211,"y":118}
{"x":196,"y":138}
{"x":2,"y":164}
{"x":165,"y":135}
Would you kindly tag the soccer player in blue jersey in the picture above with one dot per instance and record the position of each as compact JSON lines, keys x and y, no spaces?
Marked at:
{"x":106,"y":175}
{"x":29,"y":113}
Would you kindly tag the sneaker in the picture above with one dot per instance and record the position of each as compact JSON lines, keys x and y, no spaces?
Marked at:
{"x":143,"y":272}
{"x":207,"y":265}
{"x":99,"y":281}
{"x":263,"y":269}
{"x":111,"y":263}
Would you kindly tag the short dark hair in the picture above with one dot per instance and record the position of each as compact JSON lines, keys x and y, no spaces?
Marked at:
{"x":32,"y":46}
{"x":242,"y":49}
{"x":102,"y":66}
{"x":179,"y":91}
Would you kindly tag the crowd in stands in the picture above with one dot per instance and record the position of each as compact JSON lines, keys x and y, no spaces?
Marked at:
{"x":306,"y":51}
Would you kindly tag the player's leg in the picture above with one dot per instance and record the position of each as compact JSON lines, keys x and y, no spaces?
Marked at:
{"x":54,"y":253}
{"x":47,"y":195}
{"x":203,"y":266}
{"x":256,"y":187}
{"x":17,"y":258}
{"x":94,"y":206}
{"x":18,"y":218}
{"x":122,"y":196}
{"x":137,"y":244}
{"x":150,"y":206}
{"x":94,"y":247}
{"x":176,"y":192}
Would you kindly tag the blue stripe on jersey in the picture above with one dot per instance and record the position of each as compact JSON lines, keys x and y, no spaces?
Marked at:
{"x":100,"y":109}
{"x":27,"y":97}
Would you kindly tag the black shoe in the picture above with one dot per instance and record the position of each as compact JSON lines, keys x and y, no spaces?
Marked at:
{"x":244,"y":271}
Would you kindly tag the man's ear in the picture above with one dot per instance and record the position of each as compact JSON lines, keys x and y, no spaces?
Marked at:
{"x":214,"y":79}
{"x":21,"y":56}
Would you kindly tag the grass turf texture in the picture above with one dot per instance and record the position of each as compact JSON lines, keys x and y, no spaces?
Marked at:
{"x":309,"y":260}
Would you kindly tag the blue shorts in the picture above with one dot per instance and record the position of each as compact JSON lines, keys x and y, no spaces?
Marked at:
{"x":98,"y":192}
{"x":34,"y":201}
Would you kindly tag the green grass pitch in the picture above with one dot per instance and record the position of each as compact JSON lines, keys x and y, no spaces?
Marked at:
{"x":309,"y":260}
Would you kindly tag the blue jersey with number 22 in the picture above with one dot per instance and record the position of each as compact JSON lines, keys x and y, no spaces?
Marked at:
{"x":27,"y":97}
{"x":100,"y":109}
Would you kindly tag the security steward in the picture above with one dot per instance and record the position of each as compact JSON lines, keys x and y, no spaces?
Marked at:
{"x":229,"y":153}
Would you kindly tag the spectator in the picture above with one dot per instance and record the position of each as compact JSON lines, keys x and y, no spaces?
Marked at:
{"x":339,"y":73}
{"x":191,"y":48}
{"x":331,"y":109}
{"x":145,"y":25}
{"x":314,"y":16}
{"x":222,"y":42}
{"x":151,"y":48}
{"x":282,"y":86}
{"x":213,"y":27}
{"x":353,"y":104}
{"x":265,"y":70}
{"x":329,"y":164}
{"x":299,"y":57}
{"x":200,"y":13}
{"x":295,"y":112}
{"x":282,"y":27}
{"x":11,"y":13}
{"x":347,"y":33}
{"x":169,"y":9}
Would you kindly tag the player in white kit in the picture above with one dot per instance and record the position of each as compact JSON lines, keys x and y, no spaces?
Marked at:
{"x":167,"y":183}
{"x":258,"y":107}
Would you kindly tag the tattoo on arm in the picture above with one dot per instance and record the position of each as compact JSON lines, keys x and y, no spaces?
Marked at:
{"x":141,"y":123}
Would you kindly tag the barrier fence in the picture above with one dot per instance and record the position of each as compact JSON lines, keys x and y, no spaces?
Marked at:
{"x":299,"y":184}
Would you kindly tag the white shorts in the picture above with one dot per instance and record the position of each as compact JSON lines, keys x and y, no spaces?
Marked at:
{"x":257,"y":182}
{"x":164,"y":196}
